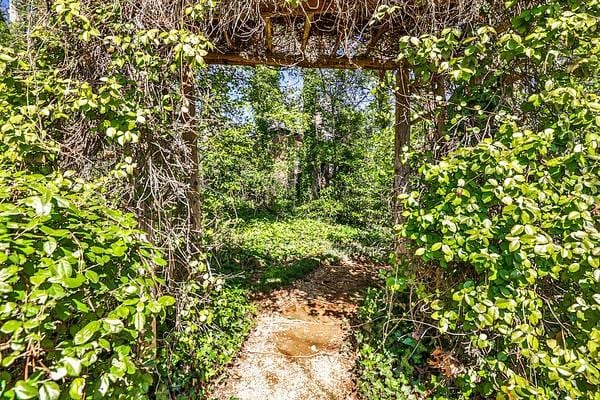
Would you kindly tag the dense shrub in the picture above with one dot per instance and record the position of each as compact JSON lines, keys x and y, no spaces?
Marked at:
{"x":516,"y":222}
{"x":214,"y":321}
{"x":79,"y":299}
{"x":77,"y":292}
{"x":504,"y":290}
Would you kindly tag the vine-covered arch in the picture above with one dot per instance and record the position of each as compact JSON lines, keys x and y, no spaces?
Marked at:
{"x":325,"y":33}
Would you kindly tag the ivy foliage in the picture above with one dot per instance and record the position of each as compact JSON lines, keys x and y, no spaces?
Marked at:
{"x":513,"y":222}
{"x":215,"y":320}
{"x":95,"y":84}
{"x":280,"y":242}
{"x":78,"y":291}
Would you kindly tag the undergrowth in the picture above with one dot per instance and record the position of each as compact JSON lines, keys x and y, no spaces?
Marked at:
{"x":393,"y":358}
{"x":215,"y":317}
{"x":277,"y":252}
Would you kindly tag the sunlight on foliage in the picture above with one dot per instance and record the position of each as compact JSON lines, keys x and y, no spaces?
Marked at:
{"x":506,"y":232}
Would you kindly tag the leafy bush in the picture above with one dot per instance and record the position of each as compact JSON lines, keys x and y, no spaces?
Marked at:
{"x":215,"y":319}
{"x":512,"y":226}
{"x":504,"y":291}
{"x":77,"y":292}
{"x":521,"y":225}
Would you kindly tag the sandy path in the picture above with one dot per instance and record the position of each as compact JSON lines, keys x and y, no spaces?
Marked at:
{"x":299,"y":349}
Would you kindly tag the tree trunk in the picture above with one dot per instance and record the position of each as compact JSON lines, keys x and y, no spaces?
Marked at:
{"x":402,"y":139}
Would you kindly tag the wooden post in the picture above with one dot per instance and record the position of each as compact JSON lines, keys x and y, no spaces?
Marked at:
{"x":306,"y":34}
{"x":269,"y":34}
{"x":439,"y":94}
{"x":190,"y":137}
{"x":402,"y":139}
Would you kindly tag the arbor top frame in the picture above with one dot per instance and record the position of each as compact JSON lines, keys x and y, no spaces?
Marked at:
{"x":325,"y":33}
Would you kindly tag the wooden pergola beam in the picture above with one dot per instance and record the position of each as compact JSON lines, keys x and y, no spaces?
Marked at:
{"x":306,"y":34}
{"x":276,"y":60}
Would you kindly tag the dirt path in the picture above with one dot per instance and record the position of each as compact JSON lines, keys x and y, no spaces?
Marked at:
{"x":299,"y":349}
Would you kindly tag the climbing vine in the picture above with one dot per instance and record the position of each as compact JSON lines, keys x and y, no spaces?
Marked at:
{"x":506,"y":231}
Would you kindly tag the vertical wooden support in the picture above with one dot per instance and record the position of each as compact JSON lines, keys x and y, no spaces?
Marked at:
{"x":190,"y":137}
{"x":402,"y":139}
{"x":375,"y":38}
{"x":307,"y":26}
{"x":336,"y":46}
{"x":269,"y":34}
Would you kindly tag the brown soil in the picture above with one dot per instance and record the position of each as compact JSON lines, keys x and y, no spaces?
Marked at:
{"x":299,"y":349}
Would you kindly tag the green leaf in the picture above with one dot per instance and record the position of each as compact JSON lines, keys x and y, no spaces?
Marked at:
{"x":11,"y":326}
{"x":49,"y":391}
{"x":40,"y":207}
{"x":574,"y":267}
{"x":50,"y":246}
{"x":540,"y":249}
{"x":113,"y":325}
{"x":160,"y":261}
{"x":92,"y":276}
{"x":166,"y":301}
{"x":76,"y":388}
{"x":139,"y":321}
{"x":507,"y":200}
{"x":6,"y":58}
{"x":436,"y":305}
{"x":63,"y":269}
{"x":517,"y":230}
{"x":86,"y":333}
{"x":73,"y":366}
{"x":25,"y":390}
{"x":8,"y":360}
{"x":420,"y":251}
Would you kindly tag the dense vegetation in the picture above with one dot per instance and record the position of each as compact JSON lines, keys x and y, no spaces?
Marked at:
{"x":116,"y":283}
{"x":505,"y":231}
{"x":78,"y":286}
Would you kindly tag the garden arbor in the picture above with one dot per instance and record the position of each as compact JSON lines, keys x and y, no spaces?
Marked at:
{"x":305,"y":33}
{"x":332,"y":34}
